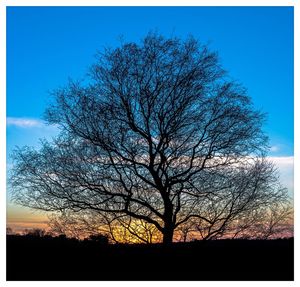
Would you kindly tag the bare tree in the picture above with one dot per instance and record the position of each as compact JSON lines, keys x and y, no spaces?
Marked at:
{"x":9,"y":231}
{"x":118,"y":229}
{"x":251,"y":204}
{"x":160,"y":136}
{"x":35,"y":232}
{"x":78,"y":225}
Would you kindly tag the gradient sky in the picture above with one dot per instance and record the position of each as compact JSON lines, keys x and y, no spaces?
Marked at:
{"x":48,"y":45}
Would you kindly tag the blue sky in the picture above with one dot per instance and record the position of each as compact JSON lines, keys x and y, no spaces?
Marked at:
{"x":48,"y":45}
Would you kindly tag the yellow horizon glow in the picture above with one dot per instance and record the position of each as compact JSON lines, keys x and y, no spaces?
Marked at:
{"x":20,"y":218}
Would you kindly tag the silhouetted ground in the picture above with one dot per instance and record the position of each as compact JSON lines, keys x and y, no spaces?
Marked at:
{"x":30,"y":258}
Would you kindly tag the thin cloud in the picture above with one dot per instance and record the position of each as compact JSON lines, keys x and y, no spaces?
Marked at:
{"x":285,"y":165}
{"x":24,"y":122}
{"x":287,"y":161}
{"x":274,"y":148}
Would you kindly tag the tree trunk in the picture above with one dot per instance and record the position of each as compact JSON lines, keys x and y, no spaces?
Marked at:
{"x":168,"y":230}
{"x":168,"y":233}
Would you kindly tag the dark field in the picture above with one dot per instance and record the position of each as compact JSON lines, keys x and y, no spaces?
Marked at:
{"x":30,"y":258}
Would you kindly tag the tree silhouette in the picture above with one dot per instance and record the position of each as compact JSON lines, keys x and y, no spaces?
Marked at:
{"x":36,"y":232}
{"x":9,"y":231}
{"x":159,"y":135}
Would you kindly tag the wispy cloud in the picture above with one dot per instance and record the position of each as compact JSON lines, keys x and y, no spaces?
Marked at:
{"x":24,"y":122}
{"x":274,"y":148}
{"x":285,"y":165}
{"x":281,"y":161}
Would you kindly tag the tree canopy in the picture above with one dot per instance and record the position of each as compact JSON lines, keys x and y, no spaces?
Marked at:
{"x":158,"y":139}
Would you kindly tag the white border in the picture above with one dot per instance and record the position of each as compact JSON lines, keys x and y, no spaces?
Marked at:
{"x":149,"y":3}
{"x":5,"y":3}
